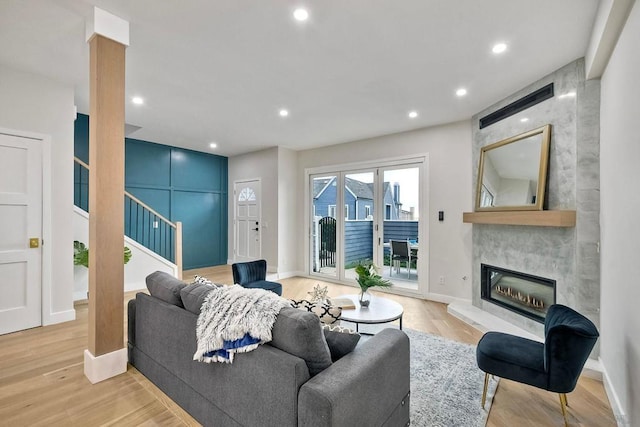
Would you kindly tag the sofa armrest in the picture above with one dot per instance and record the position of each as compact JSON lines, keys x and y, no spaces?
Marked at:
{"x":369,"y":386}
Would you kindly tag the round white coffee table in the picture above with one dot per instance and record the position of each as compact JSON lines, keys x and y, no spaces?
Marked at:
{"x":380,"y":310}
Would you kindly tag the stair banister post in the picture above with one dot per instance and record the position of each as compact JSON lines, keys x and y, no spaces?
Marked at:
{"x":179,"y":248}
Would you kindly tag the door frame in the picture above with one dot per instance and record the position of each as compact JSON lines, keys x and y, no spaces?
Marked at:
{"x":235,"y":215}
{"x":47,"y":316}
{"x":337,"y":170}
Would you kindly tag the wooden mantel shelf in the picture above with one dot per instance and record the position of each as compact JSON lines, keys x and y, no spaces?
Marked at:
{"x":536,"y":218}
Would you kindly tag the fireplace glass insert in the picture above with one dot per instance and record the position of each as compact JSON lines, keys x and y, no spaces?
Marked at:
{"x":522,"y":293}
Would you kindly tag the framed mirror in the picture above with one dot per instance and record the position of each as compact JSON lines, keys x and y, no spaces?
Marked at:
{"x":512,"y":175}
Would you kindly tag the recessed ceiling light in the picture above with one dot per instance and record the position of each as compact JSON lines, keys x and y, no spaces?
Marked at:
{"x":461,"y":92}
{"x":137,"y":100}
{"x":524,"y":119}
{"x":213,"y":145}
{"x":301,"y":14}
{"x":499,"y":48}
{"x":413,"y":114}
{"x":567,"y":95}
{"x":283,"y":113}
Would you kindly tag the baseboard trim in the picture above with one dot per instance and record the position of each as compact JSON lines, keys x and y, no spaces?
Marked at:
{"x":59,"y":317}
{"x":288,"y":274}
{"x":614,"y":401}
{"x":593,"y":369}
{"x":105,"y":366}
{"x":446,"y":299}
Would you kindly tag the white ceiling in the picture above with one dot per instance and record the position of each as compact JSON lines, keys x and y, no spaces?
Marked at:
{"x":220,"y":70}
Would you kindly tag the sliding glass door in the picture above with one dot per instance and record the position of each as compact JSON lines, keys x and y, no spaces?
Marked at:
{"x":324,"y":216}
{"x":401,"y":225}
{"x":359,"y":209}
{"x":369,"y":214}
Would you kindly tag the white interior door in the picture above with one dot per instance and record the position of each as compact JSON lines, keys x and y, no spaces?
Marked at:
{"x":20,"y":221}
{"x":247,"y":220}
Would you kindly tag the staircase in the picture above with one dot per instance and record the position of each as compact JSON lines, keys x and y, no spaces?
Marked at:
{"x":142,"y":223}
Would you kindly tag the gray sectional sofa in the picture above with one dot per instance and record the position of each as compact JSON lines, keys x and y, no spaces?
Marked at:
{"x":272,"y":385}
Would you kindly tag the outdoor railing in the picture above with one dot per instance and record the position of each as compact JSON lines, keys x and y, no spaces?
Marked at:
{"x":358,"y":238}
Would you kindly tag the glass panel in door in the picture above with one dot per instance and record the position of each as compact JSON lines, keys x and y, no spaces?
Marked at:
{"x":324,"y":225}
{"x":401,"y":198}
{"x":358,"y":213}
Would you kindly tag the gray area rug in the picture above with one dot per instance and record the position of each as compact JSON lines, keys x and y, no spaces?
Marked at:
{"x":446,"y":384}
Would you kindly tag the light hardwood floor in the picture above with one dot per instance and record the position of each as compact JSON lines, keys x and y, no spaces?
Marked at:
{"x":42,"y":380}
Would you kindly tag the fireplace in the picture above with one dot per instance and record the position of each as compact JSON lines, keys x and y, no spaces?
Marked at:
{"x":522,"y":293}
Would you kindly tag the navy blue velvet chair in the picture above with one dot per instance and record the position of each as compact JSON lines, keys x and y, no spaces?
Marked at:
{"x":554,"y":365}
{"x":253,"y":274}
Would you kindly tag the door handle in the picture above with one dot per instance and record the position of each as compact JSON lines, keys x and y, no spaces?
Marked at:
{"x":255,"y":229}
{"x":34,"y":242}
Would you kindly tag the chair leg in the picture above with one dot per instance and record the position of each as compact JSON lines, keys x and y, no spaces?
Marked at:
{"x":484,"y":391}
{"x":563,"y":404}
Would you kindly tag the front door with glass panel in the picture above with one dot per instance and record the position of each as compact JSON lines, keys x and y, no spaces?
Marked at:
{"x":247,"y":220}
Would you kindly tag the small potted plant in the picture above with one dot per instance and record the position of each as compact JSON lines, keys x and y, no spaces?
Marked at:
{"x":368,"y":277}
{"x":81,"y":254}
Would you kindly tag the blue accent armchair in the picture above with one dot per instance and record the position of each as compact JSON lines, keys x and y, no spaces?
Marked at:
{"x":252,"y":274}
{"x":554,"y":365}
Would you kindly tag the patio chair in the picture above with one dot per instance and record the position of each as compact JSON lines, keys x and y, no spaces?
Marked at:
{"x":401,"y":251}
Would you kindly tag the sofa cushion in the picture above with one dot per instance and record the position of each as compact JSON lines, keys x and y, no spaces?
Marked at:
{"x":299,"y":333}
{"x":341,"y":341}
{"x":165,"y":287}
{"x":328,"y":314}
{"x":193,"y":296}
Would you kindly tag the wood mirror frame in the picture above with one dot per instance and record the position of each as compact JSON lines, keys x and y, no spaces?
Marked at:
{"x":510,"y":169}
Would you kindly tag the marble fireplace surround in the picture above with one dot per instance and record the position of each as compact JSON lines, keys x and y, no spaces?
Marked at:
{"x":568,"y":255}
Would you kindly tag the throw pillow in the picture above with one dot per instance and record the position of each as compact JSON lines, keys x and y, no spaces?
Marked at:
{"x":165,"y":287}
{"x":299,"y":333}
{"x":341,"y":341}
{"x":328,"y":314}
{"x":193,"y":295}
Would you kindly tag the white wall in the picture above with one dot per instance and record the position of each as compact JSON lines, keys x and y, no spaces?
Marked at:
{"x":142,"y":263}
{"x":620,"y":231}
{"x":264,"y":165}
{"x":32,"y":103}
{"x":288,"y":207}
{"x":448,"y":182}
{"x":513,"y":192}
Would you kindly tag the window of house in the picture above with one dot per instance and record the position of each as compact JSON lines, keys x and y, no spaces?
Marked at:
{"x":367,"y":211}
{"x":332,"y":211}
{"x":346,"y":211}
{"x":387,"y":211}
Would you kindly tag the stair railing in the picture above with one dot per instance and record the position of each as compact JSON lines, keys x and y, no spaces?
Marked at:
{"x":142,"y":223}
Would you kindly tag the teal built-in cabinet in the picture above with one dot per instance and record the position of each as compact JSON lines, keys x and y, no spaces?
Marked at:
{"x":182,"y":185}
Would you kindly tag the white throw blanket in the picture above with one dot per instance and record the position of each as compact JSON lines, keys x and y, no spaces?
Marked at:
{"x":233,"y":320}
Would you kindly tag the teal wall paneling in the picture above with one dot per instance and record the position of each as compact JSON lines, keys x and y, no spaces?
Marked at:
{"x":81,"y":138}
{"x":147,"y":164}
{"x":202,"y":223}
{"x":182,"y":185}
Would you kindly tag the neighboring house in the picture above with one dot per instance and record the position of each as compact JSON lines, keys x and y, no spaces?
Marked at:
{"x":358,"y":199}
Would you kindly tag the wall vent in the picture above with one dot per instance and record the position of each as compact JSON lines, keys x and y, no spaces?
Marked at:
{"x":515,"y":107}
